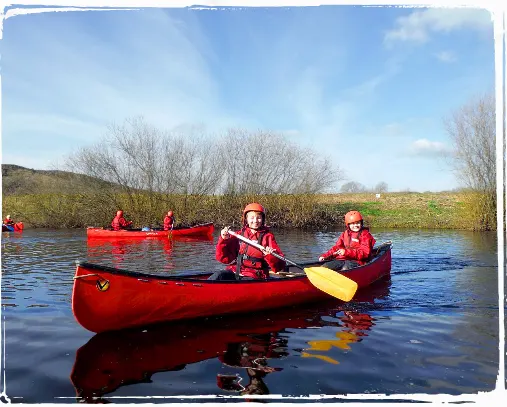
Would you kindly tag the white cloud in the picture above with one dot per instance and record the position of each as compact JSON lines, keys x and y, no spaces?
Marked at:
{"x":425,"y":147}
{"x":446,"y":56}
{"x":419,"y":25}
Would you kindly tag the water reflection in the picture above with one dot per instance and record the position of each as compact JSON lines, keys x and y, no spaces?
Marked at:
{"x":251,"y":345}
{"x":154,"y":254}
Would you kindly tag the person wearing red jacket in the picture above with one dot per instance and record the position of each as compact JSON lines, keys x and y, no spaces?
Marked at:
{"x":169,"y":221}
{"x":119,"y":222}
{"x":8,"y":221}
{"x":354,"y":246}
{"x":243,"y":259}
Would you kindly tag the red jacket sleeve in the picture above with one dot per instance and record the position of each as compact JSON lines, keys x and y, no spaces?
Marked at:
{"x":124,"y":223}
{"x":363,"y":252}
{"x":227,"y":249}
{"x":338,"y":245}
{"x":274,"y":262}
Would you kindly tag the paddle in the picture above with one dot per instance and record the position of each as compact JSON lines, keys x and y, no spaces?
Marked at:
{"x":327,"y":280}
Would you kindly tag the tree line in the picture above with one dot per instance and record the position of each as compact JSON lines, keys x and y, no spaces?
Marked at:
{"x":138,"y":156}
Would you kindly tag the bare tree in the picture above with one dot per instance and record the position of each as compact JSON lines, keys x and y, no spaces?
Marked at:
{"x":381,"y":187}
{"x":148,"y":164}
{"x":264,"y":162}
{"x":352,"y":187}
{"x":472,"y":131}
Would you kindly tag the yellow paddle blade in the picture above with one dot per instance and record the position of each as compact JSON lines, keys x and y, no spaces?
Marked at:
{"x":321,"y":357}
{"x":325,"y":345}
{"x":332,"y":283}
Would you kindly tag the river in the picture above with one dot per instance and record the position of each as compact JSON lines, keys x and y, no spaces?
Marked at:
{"x":431,"y":330}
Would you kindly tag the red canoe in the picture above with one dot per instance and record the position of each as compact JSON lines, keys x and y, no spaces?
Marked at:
{"x":107,"y":298}
{"x":17,"y":227}
{"x":205,"y":229}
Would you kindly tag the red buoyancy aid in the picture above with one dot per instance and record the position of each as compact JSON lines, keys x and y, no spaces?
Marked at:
{"x":115,"y":224}
{"x":119,"y":223}
{"x":358,"y":246}
{"x":250,"y":257}
{"x":168,"y":222}
{"x":252,"y":262}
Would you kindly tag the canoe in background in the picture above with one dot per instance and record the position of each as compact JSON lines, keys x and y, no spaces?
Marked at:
{"x":205,"y":229}
{"x":17,"y":227}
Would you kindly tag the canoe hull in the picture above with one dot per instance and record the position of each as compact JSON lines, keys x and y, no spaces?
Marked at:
{"x":105,"y":298}
{"x":17,"y":227}
{"x":205,"y":229}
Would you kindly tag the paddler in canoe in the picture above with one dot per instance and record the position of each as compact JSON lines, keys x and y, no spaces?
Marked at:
{"x":169,"y":221}
{"x":8,"y":221}
{"x":119,"y":222}
{"x":354,"y":246}
{"x":245,"y":261}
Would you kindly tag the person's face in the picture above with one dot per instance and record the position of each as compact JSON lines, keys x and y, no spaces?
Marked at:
{"x":355,"y":226}
{"x":254,"y":220}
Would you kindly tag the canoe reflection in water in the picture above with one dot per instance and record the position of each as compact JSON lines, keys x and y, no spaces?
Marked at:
{"x":124,"y":250}
{"x":247,"y":347}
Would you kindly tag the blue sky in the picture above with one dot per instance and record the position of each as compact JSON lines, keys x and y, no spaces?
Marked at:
{"x":368,"y":86}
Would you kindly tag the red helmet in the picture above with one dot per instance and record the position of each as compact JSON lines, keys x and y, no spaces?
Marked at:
{"x":170,"y":213}
{"x":353,"y":216}
{"x":119,"y":213}
{"x":254,"y":207}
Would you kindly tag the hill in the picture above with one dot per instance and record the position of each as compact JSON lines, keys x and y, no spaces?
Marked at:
{"x":18,"y":180}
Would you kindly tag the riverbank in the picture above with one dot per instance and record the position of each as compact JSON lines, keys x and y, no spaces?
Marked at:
{"x":429,"y":210}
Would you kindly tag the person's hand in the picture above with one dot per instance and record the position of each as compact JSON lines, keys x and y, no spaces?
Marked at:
{"x":340,"y":252}
{"x":321,"y":258}
{"x":268,"y":250}
{"x":224,"y":233}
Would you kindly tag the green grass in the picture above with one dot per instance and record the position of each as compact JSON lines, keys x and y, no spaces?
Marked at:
{"x":443,"y":210}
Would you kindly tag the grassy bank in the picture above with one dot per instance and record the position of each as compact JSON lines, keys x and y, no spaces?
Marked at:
{"x":444,"y":210}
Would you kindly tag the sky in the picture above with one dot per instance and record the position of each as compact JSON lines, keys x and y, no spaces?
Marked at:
{"x":368,"y":87}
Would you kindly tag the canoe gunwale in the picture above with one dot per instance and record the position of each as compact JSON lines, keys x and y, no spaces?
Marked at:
{"x":198,"y":277}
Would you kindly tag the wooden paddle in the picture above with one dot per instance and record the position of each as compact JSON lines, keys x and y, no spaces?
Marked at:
{"x":327,"y":280}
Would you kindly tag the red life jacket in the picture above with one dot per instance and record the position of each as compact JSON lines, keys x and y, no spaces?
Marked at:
{"x":251,"y":257}
{"x":351,"y":242}
{"x":168,"y":222}
{"x":117,"y":223}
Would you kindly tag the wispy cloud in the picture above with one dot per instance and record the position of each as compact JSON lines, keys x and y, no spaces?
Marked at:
{"x":418,"y":26}
{"x":446,"y":56}
{"x":427,"y":148}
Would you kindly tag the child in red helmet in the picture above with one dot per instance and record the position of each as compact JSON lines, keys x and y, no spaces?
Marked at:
{"x":169,"y":221}
{"x":250,"y":262}
{"x":354,"y":246}
{"x":119,"y":222}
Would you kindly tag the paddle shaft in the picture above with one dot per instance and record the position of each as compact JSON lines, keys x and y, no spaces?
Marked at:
{"x":260,"y":247}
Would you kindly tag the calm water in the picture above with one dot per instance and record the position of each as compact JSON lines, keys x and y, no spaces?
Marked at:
{"x":432,"y":329}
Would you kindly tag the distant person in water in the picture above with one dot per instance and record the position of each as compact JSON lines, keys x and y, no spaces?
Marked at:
{"x":8,"y":221}
{"x":119,"y":222}
{"x":354,"y":246}
{"x":169,"y":221}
